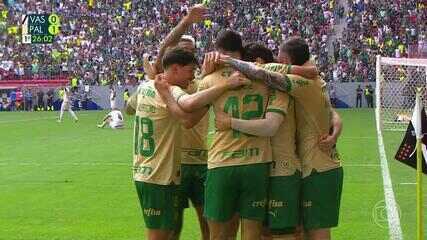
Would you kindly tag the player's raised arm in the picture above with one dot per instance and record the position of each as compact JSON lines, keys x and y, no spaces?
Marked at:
{"x":149,"y":68}
{"x":200,"y":99}
{"x":253,"y":72}
{"x":195,"y":14}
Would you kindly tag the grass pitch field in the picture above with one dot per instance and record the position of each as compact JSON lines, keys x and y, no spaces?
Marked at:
{"x":73,"y":180}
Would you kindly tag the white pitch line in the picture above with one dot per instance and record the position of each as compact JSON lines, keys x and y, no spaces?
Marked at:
{"x":408,"y":183}
{"x":394,"y":228}
{"x":357,"y":138}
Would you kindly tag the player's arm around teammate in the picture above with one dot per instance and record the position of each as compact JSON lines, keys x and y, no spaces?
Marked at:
{"x":259,"y":69}
{"x":328,"y":141}
{"x":268,"y":127}
{"x":200,"y":99}
{"x":157,"y":148}
{"x":282,"y":221}
{"x":321,"y":169}
{"x":188,"y":120}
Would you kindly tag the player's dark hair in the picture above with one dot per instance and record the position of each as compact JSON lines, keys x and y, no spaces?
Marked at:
{"x":178,"y":56}
{"x":230,"y":41}
{"x":252,"y":51}
{"x":297,"y":50}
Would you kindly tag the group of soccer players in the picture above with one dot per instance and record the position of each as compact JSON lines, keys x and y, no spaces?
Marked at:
{"x":272,"y":166}
{"x":114,"y":118}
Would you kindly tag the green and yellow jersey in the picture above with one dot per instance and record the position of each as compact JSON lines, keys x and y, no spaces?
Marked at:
{"x":194,"y":141}
{"x":283,"y":143}
{"x":157,"y":138}
{"x":231,"y":147}
{"x":313,"y":116}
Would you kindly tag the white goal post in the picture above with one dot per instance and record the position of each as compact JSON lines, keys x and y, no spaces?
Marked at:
{"x":396,"y":82}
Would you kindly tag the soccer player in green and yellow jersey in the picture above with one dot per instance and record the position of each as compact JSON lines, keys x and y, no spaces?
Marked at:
{"x":238,"y":164}
{"x":194,"y":156}
{"x":157,"y":152}
{"x":284,"y":204}
{"x":193,"y":141}
{"x":321,"y":167}
{"x":279,"y":123}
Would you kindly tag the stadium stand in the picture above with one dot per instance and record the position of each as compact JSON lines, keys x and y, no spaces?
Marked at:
{"x":389,"y":28}
{"x":106,"y":42}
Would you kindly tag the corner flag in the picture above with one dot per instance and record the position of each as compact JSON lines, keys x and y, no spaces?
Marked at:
{"x":412,"y":152}
{"x":417,"y":129}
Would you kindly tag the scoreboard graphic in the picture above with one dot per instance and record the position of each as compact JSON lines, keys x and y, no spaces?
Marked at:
{"x":40,"y":28}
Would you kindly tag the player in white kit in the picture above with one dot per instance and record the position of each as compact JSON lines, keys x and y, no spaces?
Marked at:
{"x":66,"y":105}
{"x":113,"y":97}
{"x":114,"y":119}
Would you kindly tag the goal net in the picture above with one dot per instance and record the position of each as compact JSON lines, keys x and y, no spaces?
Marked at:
{"x":397,"y":80}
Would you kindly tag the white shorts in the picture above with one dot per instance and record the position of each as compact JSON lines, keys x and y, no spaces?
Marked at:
{"x":113,"y":104}
{"x":116,"y":125}
{"x":65,"y":106}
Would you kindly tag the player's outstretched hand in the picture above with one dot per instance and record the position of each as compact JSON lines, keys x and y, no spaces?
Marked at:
{"x":237,"y":80}
{"x":222,"y":58}
{"x":209,"y":63}
{"x":149,"y":68}
{"x":197,"y":13}
{"x":222,"y":121}
{"x":327,"y":142}
{"x":161,"y":85}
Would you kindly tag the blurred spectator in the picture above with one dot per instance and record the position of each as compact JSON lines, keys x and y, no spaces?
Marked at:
{"x":5,"y":104}
{"x":49,"y":104}
{"x":40,"y":99}
{"x":125,"y":97}
{"x":333,"y":95}
{"x":104,"y":43}
{"x":369,"y":95}
{"x":28,"y":100}
{"x":391,"y":28}
{"x":359,"y":92}
{"x":12,"y":96}
{"x":19,"y":98}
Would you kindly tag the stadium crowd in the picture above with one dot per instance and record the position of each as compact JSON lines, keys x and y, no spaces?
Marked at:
{"x":389,"y":28}
{"x":105,"y":42}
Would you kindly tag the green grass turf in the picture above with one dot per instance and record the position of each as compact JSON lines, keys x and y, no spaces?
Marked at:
{"x":73,"y":180}
{"x":404,"y":187}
